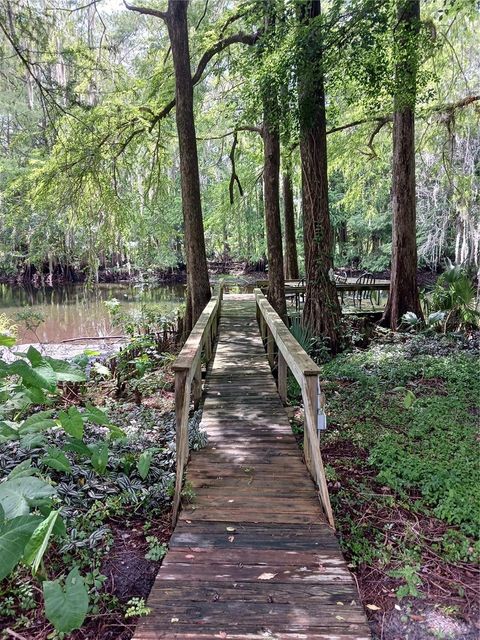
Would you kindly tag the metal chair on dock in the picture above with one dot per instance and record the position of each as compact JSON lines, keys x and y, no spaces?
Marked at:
{"x":365,"y":278}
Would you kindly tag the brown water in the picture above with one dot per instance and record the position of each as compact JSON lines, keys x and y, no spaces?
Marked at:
{"x":76,"y":311}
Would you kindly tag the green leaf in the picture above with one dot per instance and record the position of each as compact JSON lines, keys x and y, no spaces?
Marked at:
{"x":37,"y":422}
{"x":59,"y":528}
{"x":66,"y":608}
{"x":18,"y":401}
{"x":78,"y":447}
{"x":65,"y":372}
{"x":144,"y":462}
{"x":116,"y":432}
{"x":96,"y":415}
{"x":21,"y":470}
{"x":72,"y":422}
{"x":91,"y":353}
{"x":41,"y":377}
{"x":37,"y":396}
{"x":38,"y":543}
{"x":35,"y":357}
{"x":56,"y":459}
{"x":6,"y":340}
{"x":17,"y":494}
{"x":7,"y":432}
{"x":99,"y":456}
{"x":14,"y":536}
{"x":32,"y":441}
{"x":409,"y":399}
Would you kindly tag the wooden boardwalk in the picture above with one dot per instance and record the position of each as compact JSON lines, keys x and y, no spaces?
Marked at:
{"x":252,"y":556}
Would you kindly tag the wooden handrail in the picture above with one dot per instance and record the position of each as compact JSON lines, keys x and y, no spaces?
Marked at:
{"x":188,"y":376}
{"x":292,"y":356}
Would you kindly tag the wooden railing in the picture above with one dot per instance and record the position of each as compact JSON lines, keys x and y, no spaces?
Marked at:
{"x":292,"y":356}
{"x":188,"y":380}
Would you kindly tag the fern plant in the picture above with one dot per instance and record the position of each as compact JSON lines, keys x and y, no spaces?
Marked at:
{"x":302,"y":335}
{"x":455,"y":295}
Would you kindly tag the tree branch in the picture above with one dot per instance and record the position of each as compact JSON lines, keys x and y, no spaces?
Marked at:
{"x":441,"y":108}
{"x":220,"y":136}
{"x":146,"y":11}
{"x":237,"y":38}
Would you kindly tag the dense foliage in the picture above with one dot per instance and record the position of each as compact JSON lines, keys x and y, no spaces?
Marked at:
{"x":89,"y":168}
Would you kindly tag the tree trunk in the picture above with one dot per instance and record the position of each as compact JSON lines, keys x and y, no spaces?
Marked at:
{"x":321,"y":313}
{"x":271,"y":181}
{"x":198,"y":285}
{"x":291,"y":260}
{"x":403,"y":294}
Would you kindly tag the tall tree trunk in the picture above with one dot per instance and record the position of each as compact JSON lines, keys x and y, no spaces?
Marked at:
{"x":271,"y":181}
{"x":403,"y":294}
{"x":198,"y":285}
{"x":291,"y":260}
{"x":321,"y":313}
{"x":271,"y":185}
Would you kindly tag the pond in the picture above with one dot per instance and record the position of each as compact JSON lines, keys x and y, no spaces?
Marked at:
{"x":77,"y":311}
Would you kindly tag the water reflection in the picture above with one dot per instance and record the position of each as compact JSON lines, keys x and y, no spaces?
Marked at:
{"x":75,"y":311}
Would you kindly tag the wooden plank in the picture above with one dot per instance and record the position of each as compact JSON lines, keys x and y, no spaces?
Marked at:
{"x":324,"y":594}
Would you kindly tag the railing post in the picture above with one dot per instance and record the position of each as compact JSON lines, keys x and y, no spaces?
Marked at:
{"x":310,"y":419}
{"x":263,"y":326}
{"x":197,"y":385}
{"x":270,"y":347}
{"x":182,"y":404}
{"x":208,"y":346}
{"x":282,"y":377}
{"x":315,"y":464}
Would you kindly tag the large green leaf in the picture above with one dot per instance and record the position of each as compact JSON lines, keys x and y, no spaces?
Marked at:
{"x":96,"y":415}
{"x":21,"y":470}
{"x":35,"y":357}
{"x":7,"y":432}
{"x":115,"y":432}
{"x":6,"y":340}
{"x":38,"y":543}
{"x":43,"y":377}
{"x":56,"y":459}
{"x":32,"y":441}
{"x":40,"y":421}
{"x":66,"y":372}
{"x":17,"y":494}
{"x":66,"y":608}
{"x":99,"y":456}
{"x":37,"y":396}
{"x":72,"y":422}
{"x":14,"y":536}
{"x":145,"y":460}
{"x":78,"y":446}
